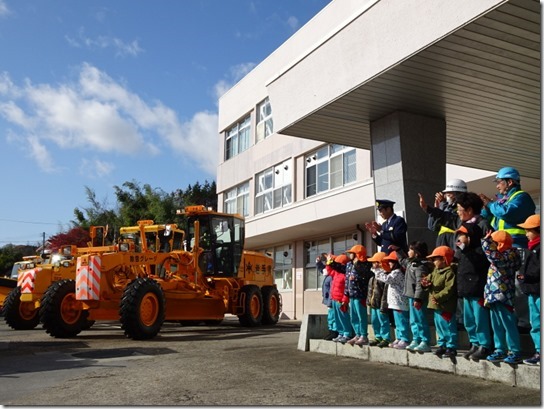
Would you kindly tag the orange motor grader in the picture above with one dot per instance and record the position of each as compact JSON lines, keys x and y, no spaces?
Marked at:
{"x":160,"y":272}
{"x":22,"y":303}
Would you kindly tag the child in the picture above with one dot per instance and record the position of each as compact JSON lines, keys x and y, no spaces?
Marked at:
{"x":377,"y":301}
{"x":443,"y":300}
{"x":529,"y":278}
{"x":396,"y":300}
{"x":336,"y":267}
{"x":472,"y":270}
{"x":326,"y":293}
{"x":357,"y":275}
{"x":417,"y":267}
{"x":499,"y":295}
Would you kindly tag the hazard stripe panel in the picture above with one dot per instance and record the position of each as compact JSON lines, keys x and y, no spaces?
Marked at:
{"x":88,"y":279}
{"x":27,"y":279}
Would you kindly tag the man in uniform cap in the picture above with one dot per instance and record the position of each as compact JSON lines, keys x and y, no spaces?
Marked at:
{"x":391,"y":234}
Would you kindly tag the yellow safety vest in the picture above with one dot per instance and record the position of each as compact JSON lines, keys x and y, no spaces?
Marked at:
{"x":512,"y":230}
{"x":444,"y":229}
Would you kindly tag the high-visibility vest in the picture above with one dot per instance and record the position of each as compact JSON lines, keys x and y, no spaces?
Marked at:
{"x":512,"y":230}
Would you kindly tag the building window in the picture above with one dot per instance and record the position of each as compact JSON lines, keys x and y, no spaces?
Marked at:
{"x":237,"y":200}
{"x":273,"y":188}
{"x":237,"y":138}
{"x":335,"y":245}
{"x":283,"y":266}
{"x":330,"y":167}
{"x":265,"y":124}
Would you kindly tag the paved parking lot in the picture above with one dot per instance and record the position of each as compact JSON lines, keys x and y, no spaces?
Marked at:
{"x":219,"y":365}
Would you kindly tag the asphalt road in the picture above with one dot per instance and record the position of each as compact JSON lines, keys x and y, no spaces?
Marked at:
{"x":221,"y":365}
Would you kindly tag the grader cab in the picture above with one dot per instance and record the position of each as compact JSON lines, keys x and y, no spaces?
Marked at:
{"x":159,"y":272}
{"x":7,"y":284}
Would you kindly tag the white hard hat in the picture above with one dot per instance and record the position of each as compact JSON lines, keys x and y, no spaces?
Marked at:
{"x":455,"y":185}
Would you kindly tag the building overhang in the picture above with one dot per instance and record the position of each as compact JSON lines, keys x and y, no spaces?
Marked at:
{"x":475,"y":64}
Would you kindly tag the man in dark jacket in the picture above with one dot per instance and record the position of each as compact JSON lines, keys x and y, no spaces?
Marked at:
{"x":392,"y":231}
{"x":472,"y":271}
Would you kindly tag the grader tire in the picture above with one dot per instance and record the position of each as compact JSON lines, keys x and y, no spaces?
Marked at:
{"x":18,"y":315}
{"x":142,"y":309}
{"x":271,"y":305}
{"x":60,"y":313}
{"x":253,"y":306}
{"x":88,"y":324}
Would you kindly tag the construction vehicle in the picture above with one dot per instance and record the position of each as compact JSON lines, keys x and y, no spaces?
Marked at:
{"x":22,"y":303}
{"x":159,"y":273}
{"x":7,"y":284}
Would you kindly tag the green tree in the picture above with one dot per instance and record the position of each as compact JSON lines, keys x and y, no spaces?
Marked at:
{"x":97,"y":214}
{"x":198,"y":194}
{"x":9,"y":254}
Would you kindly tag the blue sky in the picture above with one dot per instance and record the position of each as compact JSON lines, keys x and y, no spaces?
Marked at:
{"x":96,"y":93}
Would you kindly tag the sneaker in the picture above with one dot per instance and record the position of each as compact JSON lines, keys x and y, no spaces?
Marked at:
{"x":343,"y":339}
{"x":472,"y":350}
{"x":412,"y":345}
{"x":384,"y":343}
{"x":353,"y":340}
{"x":337,"y":339}
{"x":450,"y":352}
{"x":394,"y":343}
{"x":481,"y":353}
{"x":375,"y":342}
{"x":440,"y":351}
{"x":362,"y":341}
{"x":534,"y":360}
{"x":513,"y":359}
{"x":496,"y":356}
{"x":422,"y":347}
{"x":401,"y":345}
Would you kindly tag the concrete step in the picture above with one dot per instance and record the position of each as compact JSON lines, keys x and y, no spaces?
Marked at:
{"x":521,"y":375}
{"x":314,"y":328}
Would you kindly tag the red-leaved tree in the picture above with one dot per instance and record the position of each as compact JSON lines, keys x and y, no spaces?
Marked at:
{"x":76,"y":236}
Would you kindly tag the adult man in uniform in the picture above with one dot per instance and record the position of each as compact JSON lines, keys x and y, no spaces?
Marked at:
{"x":392,"y":231}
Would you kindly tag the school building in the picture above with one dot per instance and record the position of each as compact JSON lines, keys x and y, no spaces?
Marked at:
{"x":377,"y":99}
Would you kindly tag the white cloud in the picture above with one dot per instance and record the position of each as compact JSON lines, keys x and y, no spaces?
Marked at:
{"x":98,"y":114}
{"x":121,"y":47}
{"x":292,"y":22}
{"x":38,"y":152}
{"x":236,"y":73}
{"x":4,"y":10}
{"x":96,"y":168}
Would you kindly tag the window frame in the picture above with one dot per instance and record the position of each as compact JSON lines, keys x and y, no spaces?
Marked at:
{"x":237,"y":137}
{"x":324,"y":171}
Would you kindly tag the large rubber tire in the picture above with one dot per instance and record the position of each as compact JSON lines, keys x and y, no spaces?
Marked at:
{"x":61,"y":314}
{"x":18,"y":315}
{"x":271,"y":305}
{"x":142,"y":309}
{"x":88,"y":325}
{"x":253,"y":306}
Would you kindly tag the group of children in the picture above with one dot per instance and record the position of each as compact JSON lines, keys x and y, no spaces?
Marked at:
{"x":405,"y":285}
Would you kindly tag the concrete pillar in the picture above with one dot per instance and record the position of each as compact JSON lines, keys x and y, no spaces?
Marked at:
{"x":409,"y":157}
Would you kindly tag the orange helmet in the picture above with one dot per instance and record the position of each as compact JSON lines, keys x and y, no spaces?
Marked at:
{"x":360,"y":252}
{"x":503,"y":239}
{"x":341,"y":259}
{"x":443,"y":251}
{"x":391,"y":256}
{"x":379,"y":257}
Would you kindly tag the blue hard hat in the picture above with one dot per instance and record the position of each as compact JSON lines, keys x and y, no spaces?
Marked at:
{"x":508,"y":172}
